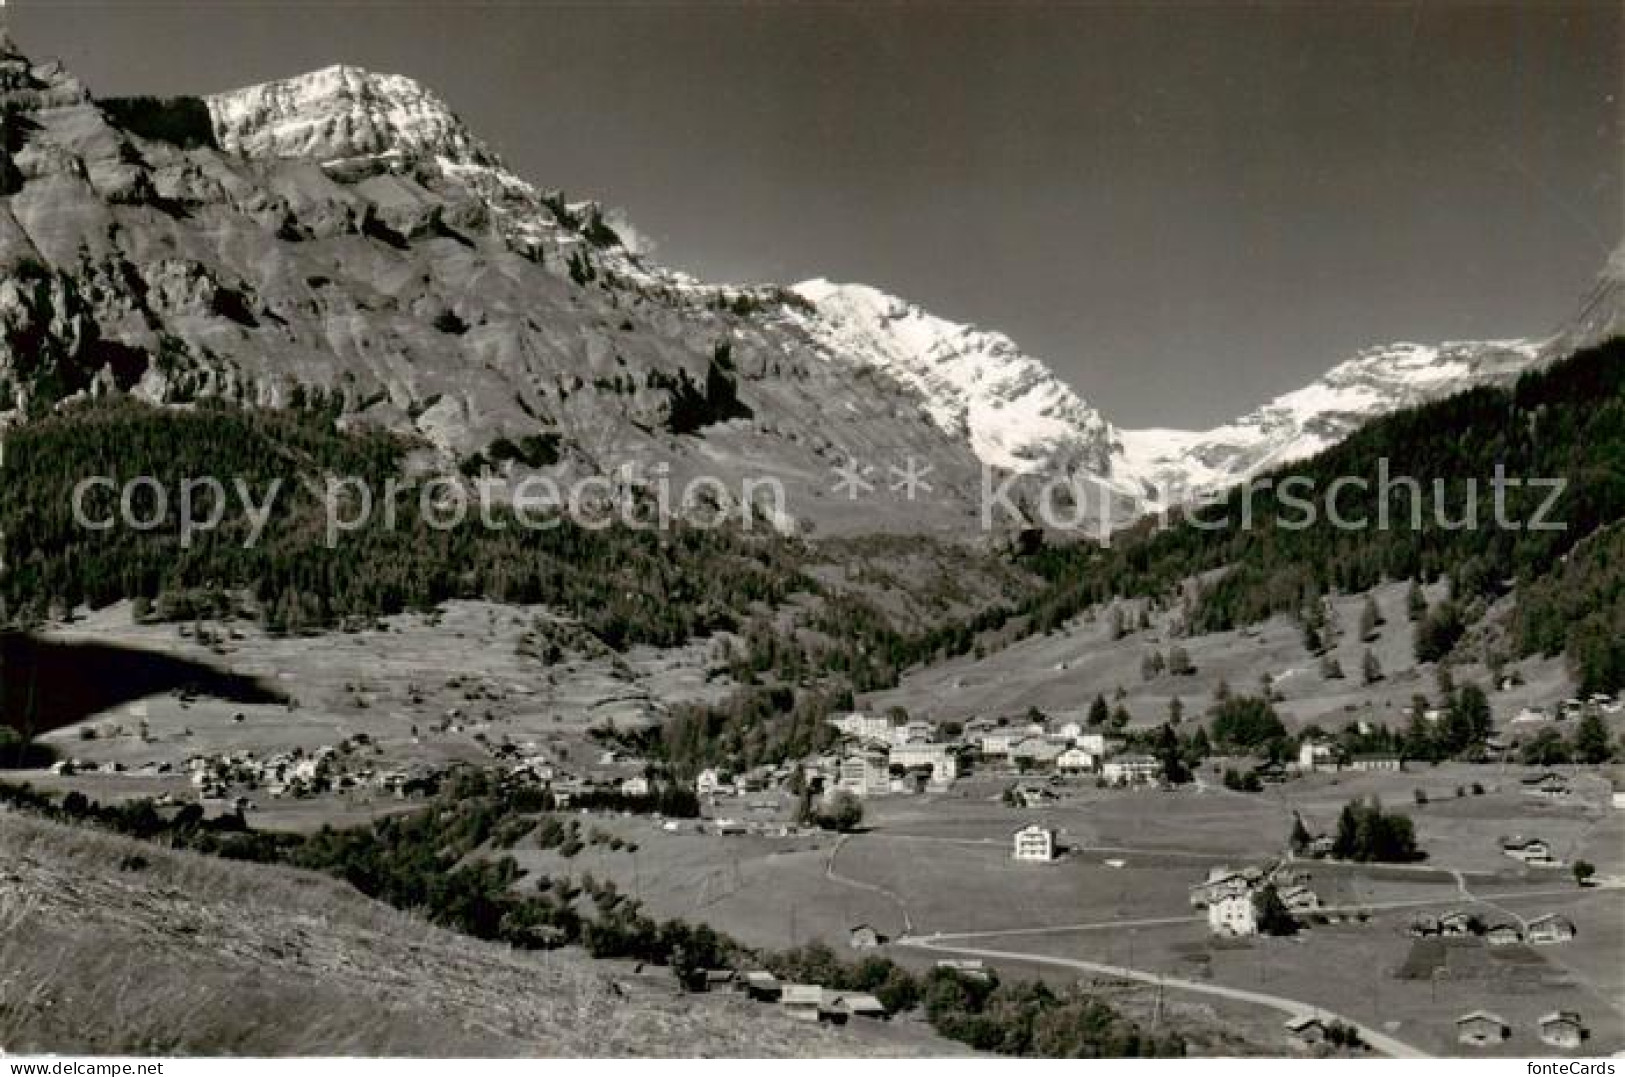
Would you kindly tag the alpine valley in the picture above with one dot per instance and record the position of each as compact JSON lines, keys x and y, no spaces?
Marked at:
{"x":288,"y":768}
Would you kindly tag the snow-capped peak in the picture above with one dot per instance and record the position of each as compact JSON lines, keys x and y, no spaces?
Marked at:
{"x":1176,"y":464}
{"x":1014,"y":411}
{"x":343,"y":112}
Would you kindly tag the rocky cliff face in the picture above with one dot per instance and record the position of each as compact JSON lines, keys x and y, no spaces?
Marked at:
{"x":346,"y":236}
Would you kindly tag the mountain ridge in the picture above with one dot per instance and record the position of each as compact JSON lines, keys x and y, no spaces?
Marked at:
{"x":352,"y":237}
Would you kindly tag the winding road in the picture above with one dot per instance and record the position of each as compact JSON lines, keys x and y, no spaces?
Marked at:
{"x":965,"y":944}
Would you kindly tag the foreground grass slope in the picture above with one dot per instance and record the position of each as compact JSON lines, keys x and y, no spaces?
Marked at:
{"x":114,"y":946}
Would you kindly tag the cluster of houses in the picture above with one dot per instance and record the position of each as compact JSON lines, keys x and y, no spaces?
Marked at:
{"x":814,"y":1002}
{"x":1546,"y":930}
{"x":1324,"y":756}
{"x":805,"y":1002}
{"x":297,"y":773}
{"x":885,"y":757}
{"x":1572,"y":709}
{"x":1229,"y":896}
{"x":1562,"y":1028}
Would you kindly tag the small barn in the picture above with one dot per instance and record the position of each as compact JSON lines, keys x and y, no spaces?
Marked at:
{"x":1481,"y":1029}
{"x":1549,"y":929}
{"x":1562,"y":1029}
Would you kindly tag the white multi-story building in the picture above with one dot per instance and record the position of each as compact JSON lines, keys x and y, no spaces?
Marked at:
{"x":995,"y":745}
{"x":864,"y":775}
{"x":1034,"y":844}
{"x":1131,"y":770}
{"x":1075,"y":759}
{"x":1233,"y":914}
{"x":944,"y":766}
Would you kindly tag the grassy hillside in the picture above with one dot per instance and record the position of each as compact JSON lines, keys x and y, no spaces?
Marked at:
{"x":112,"y":946}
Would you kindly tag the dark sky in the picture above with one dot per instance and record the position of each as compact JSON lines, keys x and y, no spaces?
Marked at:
{"x":1185,"y":209}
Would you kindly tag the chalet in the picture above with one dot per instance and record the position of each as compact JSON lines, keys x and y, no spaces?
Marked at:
{"x":1456,"y":923}
{"x":1549,"y":785}
{"x":1307,"y":1028}
{"x":1220,"y":882}
{"x":1531,"y":716}
{"x":804,"y":1002}
{"x":1502,"y":933}
{"x":761,"y":986}
{"x":1271,"y":773}
{"x":637,"y":786}
{"x":1033,"y":844}
{"x":861,"y":1004}
{"x":718,"y":979}
{"x":1480,"y":1029}
{"x":1031,"y":796}
{"x":1564,"y":1028}
{"x":1233,"y":915}
{"x":1322,"y":845}
{"x":1300,"y":899}
{"x":709,"y":783}
{"x":864,"y":937}
{"x":1423,"y":926}
{"x":1532,"y":851}
{"x":1131,"y":770}
{"x":1075,"y":760}
{"x":1070,"y":731}
{"x":1549,"y":929}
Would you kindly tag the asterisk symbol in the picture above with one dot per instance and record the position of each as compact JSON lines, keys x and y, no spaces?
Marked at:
{"x":852,"y":479}
{"x":910,"y":479}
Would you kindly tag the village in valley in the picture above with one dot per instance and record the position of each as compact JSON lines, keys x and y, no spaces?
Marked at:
{"x":1330,"y":894}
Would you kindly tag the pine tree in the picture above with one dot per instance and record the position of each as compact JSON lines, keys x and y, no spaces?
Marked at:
{"x":1416,"y":603}
{"x":1271,"y":913}
{"x":1370,"y":619}
{"x":1591,"y":739}
{"x":1300,"y":837}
